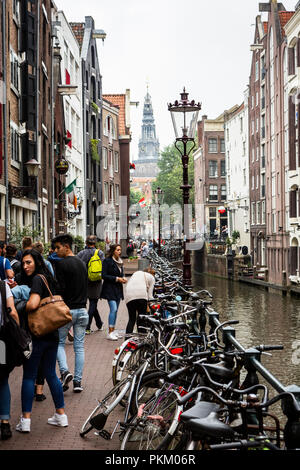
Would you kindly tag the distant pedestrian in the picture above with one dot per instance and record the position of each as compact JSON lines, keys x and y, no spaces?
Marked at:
{"x":39,"y":246}
{"x":138,"y":291}
{"x":144,"y":249}
{"x":130,"y":248}
{"x":94,"y":287}
{"x":71,"y":274}
{"x":6,"y":271}
{"x":26,"y":245}
{"x":11,"y":253}
{"x":112,"y":289}
{"x":44,"y":348}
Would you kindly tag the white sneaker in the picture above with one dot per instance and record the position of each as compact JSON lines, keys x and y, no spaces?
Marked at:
{"x":58,"y":420}
{"x":23,"y":425}
{"x":112,"y":336}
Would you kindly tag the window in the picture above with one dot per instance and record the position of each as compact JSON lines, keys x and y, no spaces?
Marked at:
{"x":263,"y":212}
{"x":241,"y":124}
{"x":244,"y":177}
{"x":213,"y":169}
{"x":212,"y":145}
{"x":105,"y":160}
{"x":253,"y":213}
{"x":222,"y":145}
{"x":258,"y":213}
{"x":252,"y":187}
{"x":15,"y":144}
{"x":223,"y":168}
{"x":16,"y":11}
{"x":223,"y":192}
{"x":117,"y":191}
{"x":213,"y":192}
{"x":256,"y":70}
{"x":105,"y":193}
{"x":212,"y":212}
{"x":14,"y":70}
{"x":244,"y":148}
{"x":116,"y":164}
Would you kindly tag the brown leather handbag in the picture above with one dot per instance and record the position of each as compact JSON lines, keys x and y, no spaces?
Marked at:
{"x":51,"y":314}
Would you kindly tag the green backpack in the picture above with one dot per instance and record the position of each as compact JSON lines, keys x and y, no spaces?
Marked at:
{"x":95,"y":267}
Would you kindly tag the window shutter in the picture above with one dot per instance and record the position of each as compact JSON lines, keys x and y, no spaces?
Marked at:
{"x":293,"y":206}
{"x":292,"y":135}
{"x":291,"y":60}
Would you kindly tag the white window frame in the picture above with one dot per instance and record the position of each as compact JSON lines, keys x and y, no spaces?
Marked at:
{"x":212,"y":146}
{"x":14,"y":71}
{"x":116,"y":161}
{"x":14,"y":142}
{"x":105,"y":192}
{"x":105,"y":158}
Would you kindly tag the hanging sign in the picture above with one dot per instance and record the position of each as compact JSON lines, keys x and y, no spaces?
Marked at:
{"x":61,"y":166}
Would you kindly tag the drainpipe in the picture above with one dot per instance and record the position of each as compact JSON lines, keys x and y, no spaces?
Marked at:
{"x":53,"y":35}
{"x":37,"y":108}
{"x":7,"y":214}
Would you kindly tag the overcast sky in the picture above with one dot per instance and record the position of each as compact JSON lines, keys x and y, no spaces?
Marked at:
{"x":204,"y":46}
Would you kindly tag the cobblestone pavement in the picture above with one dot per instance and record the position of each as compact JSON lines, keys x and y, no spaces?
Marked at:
{"x":96,"y":382}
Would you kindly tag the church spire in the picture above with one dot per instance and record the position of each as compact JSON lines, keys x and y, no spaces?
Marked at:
{"x":148,"y":144}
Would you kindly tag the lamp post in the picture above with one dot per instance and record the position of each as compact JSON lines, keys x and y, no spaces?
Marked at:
{"x":159,"y":196}
{"x":184,"y":114}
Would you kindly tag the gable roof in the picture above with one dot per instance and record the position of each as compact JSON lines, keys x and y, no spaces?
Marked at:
{"x":284,"y":17}
{"x":78,"y":30}
{"x":119,"y":101}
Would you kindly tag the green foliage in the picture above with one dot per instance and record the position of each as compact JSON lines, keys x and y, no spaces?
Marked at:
{"x":95,"y":107}
{"x":228,"y":241}
{"x":17,"y":233}
{"x":235,"y":236}
{"x":79,"y":243}
{"x":94,"y":149}
{"x":135,"y":196}
{"x":101,"y":246}
{"x":169,"y":178}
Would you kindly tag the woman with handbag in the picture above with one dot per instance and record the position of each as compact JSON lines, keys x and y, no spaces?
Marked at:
{"x":44,"y":347}
{"x":112,"y":289}
{"x":139,"y":290}
{"x":5,"y":369}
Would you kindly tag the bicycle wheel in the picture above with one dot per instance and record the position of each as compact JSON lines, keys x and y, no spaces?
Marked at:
{"x":101,"y":411}
{"x":146,"y":388}
{"x":159,"y":418}
{"x":129,"y":359}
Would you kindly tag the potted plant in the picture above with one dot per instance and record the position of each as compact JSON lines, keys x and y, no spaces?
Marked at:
{"x":95,"y":107}
{"x":94,"y":149}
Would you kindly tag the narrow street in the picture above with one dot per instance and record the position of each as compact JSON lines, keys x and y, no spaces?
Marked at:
{"x":96,"y":381}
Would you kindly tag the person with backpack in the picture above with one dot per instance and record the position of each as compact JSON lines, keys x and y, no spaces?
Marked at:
{"x":6,"y":271}
{"x":11,"y":252}
{"x":93,"y":258}
{"x":130,"y":248}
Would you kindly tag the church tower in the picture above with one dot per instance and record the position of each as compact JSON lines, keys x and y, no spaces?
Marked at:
{"x":148,"y":155}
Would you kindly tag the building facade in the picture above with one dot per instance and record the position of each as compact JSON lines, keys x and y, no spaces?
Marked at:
{"x":210,"y":177}
{"x":111,"y":177}
{"x":87,"y":35}
{"x":237,"y":173}
{"x":71,"y":75}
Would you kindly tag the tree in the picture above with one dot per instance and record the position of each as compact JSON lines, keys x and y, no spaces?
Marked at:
{"x":169,"y":178}
{"x":135,"y":196}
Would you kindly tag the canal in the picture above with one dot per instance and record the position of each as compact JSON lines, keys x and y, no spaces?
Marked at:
{"x":264,"y":318}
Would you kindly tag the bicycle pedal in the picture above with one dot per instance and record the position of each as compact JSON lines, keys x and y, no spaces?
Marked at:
{"x":105,"y":434}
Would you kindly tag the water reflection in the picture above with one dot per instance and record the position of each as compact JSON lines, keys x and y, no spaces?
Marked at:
{"x":265,"y":318}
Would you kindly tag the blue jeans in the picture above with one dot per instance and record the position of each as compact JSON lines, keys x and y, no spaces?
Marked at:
{"x":4,"y":399}
{"x":44,"y":352}
{"x":112,"y":317}
{"x":79,"y":322}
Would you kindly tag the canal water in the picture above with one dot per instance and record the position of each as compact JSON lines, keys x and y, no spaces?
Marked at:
{"x":264,"y":318}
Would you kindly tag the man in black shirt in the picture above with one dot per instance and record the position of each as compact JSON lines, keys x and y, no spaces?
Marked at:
{"x":71,"y":274}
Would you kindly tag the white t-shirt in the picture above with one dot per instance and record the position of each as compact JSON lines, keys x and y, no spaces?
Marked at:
{"x":8,"y":294}
{"x":139,"y":286}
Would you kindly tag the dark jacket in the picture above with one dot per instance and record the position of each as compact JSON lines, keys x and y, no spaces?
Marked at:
{"x":111,"y":290}
{"x":94,"y":287}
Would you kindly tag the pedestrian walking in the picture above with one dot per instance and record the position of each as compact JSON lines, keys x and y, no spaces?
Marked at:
{"x":138,"y":291}
{"x":44,"y":351}
{"x":26,"y":245}
{"x":144,"y":249}
{"x":93,"y":287}
{"x":130,"y":248}
{"x":112,"y":289}
{"x":5,"y":370}
{"x":71,"y":274}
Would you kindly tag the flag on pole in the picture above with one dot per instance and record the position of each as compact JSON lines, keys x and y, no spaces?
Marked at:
{"x":69,"y":190}
{"x":142,"y":202}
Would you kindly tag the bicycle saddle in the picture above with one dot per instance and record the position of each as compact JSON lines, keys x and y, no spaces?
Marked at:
{"x":200,"y":410}
{"x":210,"y":426}
{"x":218,"y":371}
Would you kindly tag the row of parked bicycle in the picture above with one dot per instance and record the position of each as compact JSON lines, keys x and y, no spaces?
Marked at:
{"x":187,"y":384}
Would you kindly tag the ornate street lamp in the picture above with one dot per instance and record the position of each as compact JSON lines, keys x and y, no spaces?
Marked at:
{"x":159,"y":197}
{"x":184,"y":114}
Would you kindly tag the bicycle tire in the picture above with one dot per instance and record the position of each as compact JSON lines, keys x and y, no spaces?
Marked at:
{"x":125,"y":361}
{"x":102,"y":406}
{"x":148,"y":434}
{"x":146,"y":388}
